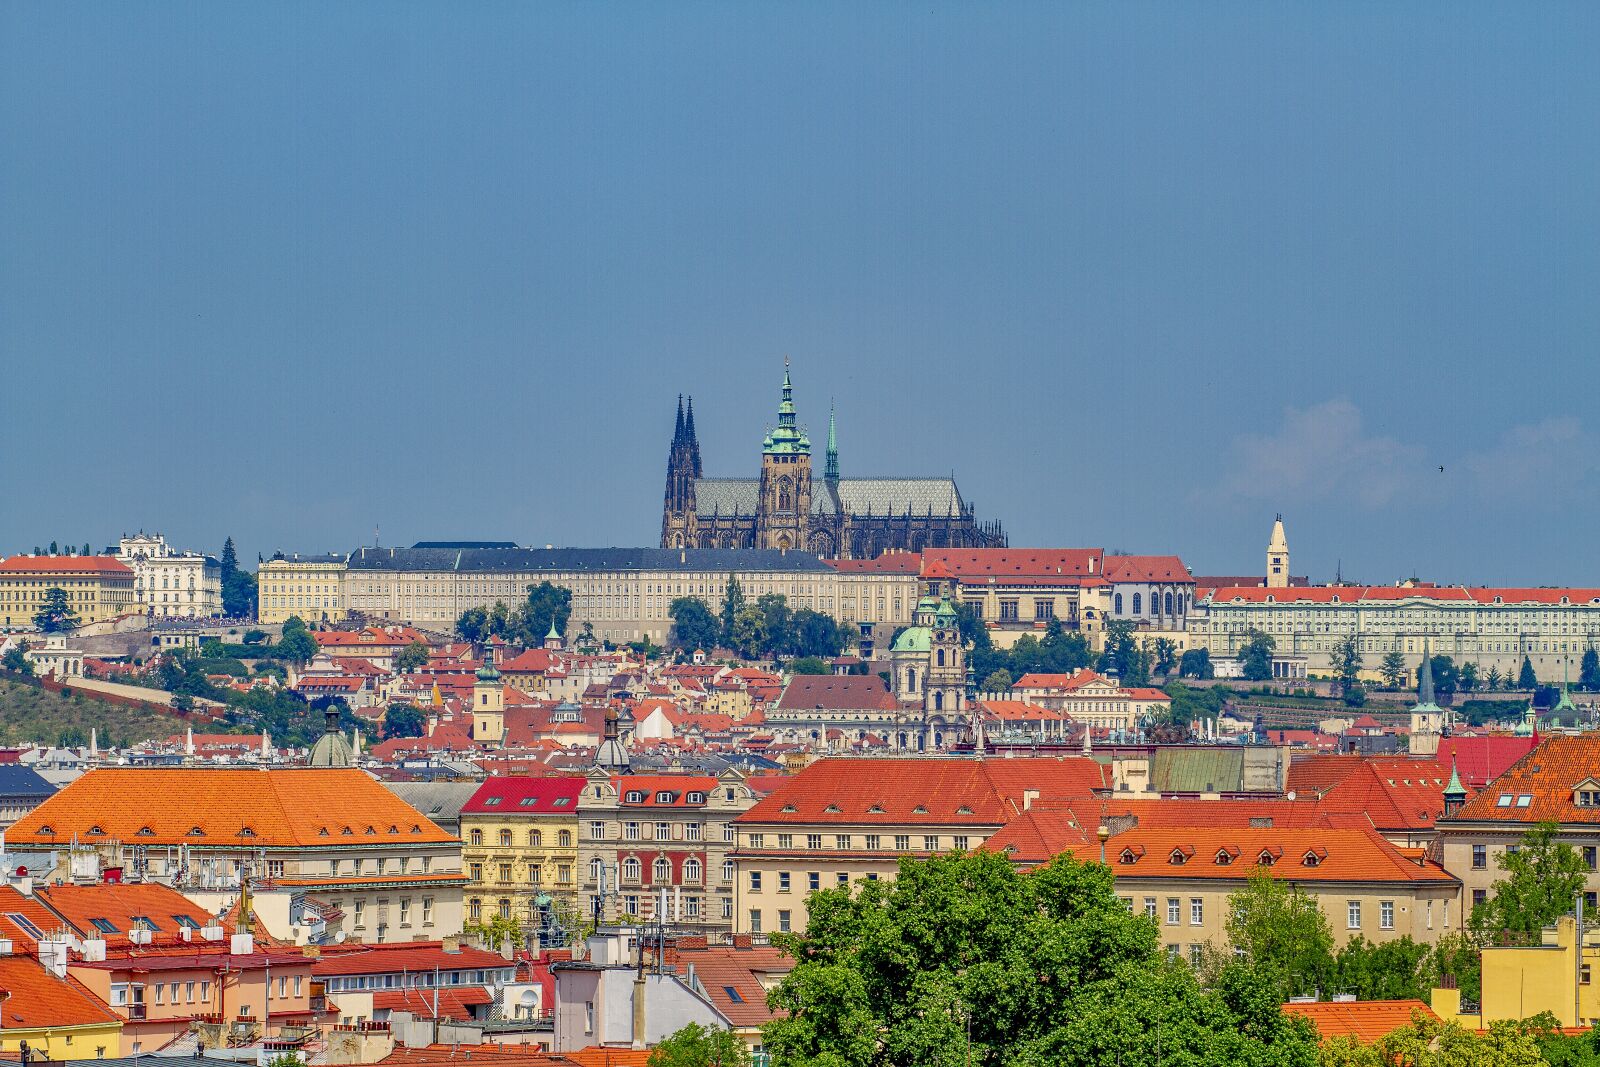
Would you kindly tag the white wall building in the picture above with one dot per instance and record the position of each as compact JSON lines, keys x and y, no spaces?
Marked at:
{"x":171,"y":584}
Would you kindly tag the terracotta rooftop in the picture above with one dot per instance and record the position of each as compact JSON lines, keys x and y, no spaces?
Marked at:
{"x":243,"y":807}
{"x":1559,"y":781}
{"x":1365,"y":1020}
{"x":37,"y":998}
{"x":1303,"y":854}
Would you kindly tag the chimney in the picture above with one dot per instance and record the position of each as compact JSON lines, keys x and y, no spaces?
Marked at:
{"x":53,"y":956}
{"x":1028,"y":797}
{"x":242,"y":944}
{"x":94,"y":950}
{"x":638,"y":1010}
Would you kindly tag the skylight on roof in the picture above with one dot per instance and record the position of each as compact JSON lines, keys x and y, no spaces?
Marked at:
{"x":105,"y":926}
{"x":733,"y":994}
{"x":25,"y":924}
{"x":1524,"y":799}
{"x":1504,"y":801}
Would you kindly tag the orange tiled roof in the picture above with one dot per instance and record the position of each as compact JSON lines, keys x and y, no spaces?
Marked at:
{"x":1341,"y":854}
{"x":37,"y":998}
{"x":1365,"y":1020}
{"x":1147,"y":569}
{"x":116,"y":906}
{"x":203,"y":805}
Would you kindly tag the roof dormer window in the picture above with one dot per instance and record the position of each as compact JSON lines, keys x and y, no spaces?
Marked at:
{"x":790,"y":808}
{"x":1180,"y":855}
{"x":694,"y":798}
{"x":1314,"y":857}
{"x":1226,"y":855}
{"x":1131,"y":854}
{"x":664,"y":797}
{"x":1268,"y":857}
{"x":634,"y":796}
{"x":832,"y":809}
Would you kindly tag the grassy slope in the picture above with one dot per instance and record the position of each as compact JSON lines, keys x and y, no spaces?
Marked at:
{"x":31,"y":714}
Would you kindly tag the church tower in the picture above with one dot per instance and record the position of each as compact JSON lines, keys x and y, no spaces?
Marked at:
{"x":783,"y":505}
{"x":1278,"y":557}
{"x":683,"y":468}
{"x":488,"y":702}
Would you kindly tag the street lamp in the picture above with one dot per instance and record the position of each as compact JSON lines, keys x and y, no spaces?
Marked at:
{"x":1104,"y":834}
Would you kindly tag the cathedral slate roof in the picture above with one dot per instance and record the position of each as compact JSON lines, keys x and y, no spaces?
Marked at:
{"x":858,"y":496}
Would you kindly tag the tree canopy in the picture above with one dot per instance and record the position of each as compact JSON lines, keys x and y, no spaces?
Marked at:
{"x":55,"y":614}
{"x":1255,"y":656}
{"x":700,"y":1046}
{"x":964,"y":959}
{"x":238,"y":586}
{"x":693,"y":625}
{"x":1542,"y":876}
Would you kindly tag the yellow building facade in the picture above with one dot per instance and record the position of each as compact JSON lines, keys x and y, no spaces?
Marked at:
{"x":312,"y":587}
{"x":1521,"y":981}
{"x":98,"y":588}
{"x":520,"y":846}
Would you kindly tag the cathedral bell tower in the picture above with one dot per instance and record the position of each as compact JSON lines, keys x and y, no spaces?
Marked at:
{"x":1278,"y":557}
{"x":678,"y":517}
{"x":784,"y":496}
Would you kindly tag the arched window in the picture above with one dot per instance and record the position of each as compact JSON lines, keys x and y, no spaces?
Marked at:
{"x":536,"y":838}
{"x":939,"y":657}
{"x":1169,"y":604}
{"x":564,"y":839}
{"x":938,"y":700}
{"x":475,"y":909}
{"x":785,"y":498}
{"x":1137,"y":603}
{"x":691,"y":870}
{"x":505,"y":838}
{"x":475,"y":837}
{"x":1117,"y":604}
{"x":505,"y":908}
{"x":630,"y":869}
{"x":911,"y":678}
{"x":595,"y":867}
{"x":661,"y":870}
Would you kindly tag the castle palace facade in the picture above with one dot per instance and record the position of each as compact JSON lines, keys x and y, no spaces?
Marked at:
{"x":834,"y":517}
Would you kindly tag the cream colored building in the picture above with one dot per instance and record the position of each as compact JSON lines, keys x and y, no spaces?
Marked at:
{"x":171,"y":584}
{"x":98,"y":588}
{"x":1491,"y":627}
{"x":624,"y":593}
{"x":311,"y":587}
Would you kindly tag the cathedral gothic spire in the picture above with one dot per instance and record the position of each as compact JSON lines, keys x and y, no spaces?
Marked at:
{"x":831,"y":471}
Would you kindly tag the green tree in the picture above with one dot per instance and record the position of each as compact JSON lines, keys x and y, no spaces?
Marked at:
{"x":1427,"y":1042}
{"x":1589,"y":671}
{"x":547,"y":605}
{"x":1467,"y":677}
{"x":732,"y":604}
{"x":1255,"y":656}
{"x":1526,"y":679}
{"x":1166,"y":655}
{"x":14,"y":660}
{"x":1346,"y":661}
{"x":998,"y":681}
{"x":1493,"y":682}
{"x":86,"y":550}
{"x":296,"y":643}
{"x":814,"y":634}
{"x":809,"y":665}
{"x":1136,"y":665}
{"x":1118,"y":649}
{"x":238,"y":587}
{"x":1400,"y":969}
{"x":693,"y":625}
{"x":1446,"y":678}
{"x":411,"y":658}
{"x":404,"y":720}
{"x":964,"y":959}
{"x":1196,"y":663}
{"x":1393,"y":669}
{"x":779,"y":622}
{"x":1542,"y":876}
{"x":1458,"y":958}
{"x":473,"y":625}
{"x":1280,"y":931}
{"x":55,"y":614}
{"x":700,"y":1046}
{"x":54,"y":550}
{"x":749,"y":637}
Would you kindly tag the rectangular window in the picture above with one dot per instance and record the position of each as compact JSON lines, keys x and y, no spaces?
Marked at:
{"x":960,"y":842}
{"x":786,"y":841}
{"x":1589,"y":856}
{"x":1479,"y":896}
{"x":1173,"y":907}
{"x":930,"y":843}
{"x":843,"y":878}
{"x":783,"y":921}
{"x":1197,"y":912}
{"x":1352,"y":914}
{"x":841,"y":841}
{"x":691,"y":831}
{"x":783,"y":881}
{"x":597,"y":830}
{"x":814,"y":841}
{"x":755,"y":920}
{"x":755,"y":881}
{"x":1386,"y":914}
{"x":1480,"y":857}
{"x":1150,"y":907}
{"x":663,"y":831}
{"x":1008,"y":611}
{"x":902,"y":842}
{"x":873,"y":841}
{"x":1197,"y":955}
{"x":630,"y":831}
{"x":813,"y":881}
{"x":757,"y":840}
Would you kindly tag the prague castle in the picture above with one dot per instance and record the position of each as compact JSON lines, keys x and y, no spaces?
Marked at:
{"x":848,"y":518}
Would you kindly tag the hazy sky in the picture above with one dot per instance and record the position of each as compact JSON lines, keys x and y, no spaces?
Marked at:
{"x":1140,"y":276}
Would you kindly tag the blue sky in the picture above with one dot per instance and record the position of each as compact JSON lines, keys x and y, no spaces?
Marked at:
{"x":1141,"y":276}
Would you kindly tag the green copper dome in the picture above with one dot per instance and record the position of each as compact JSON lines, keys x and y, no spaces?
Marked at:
{"x":914,"y":639}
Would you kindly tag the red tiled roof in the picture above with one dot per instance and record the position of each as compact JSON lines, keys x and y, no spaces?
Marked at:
{"x":522,"y":795}
{"x":407,"y":957}
{"x":533,"y":661}
{"x":1147,"y":569}
{"x":1365,"y":1020}
{"x":1541,"y":786}
{"x":923,"y":791}
{"x":837,"y":692}
{"x":455,"y":1002}
{"x":104,"y":565}
{"x":732,"y":979}
{"x":116,"y":906}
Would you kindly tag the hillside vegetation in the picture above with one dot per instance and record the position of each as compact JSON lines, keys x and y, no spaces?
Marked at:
{"x":29,"y":713}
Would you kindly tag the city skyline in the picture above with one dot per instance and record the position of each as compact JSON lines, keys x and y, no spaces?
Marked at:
{"x":1142,"y":283}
